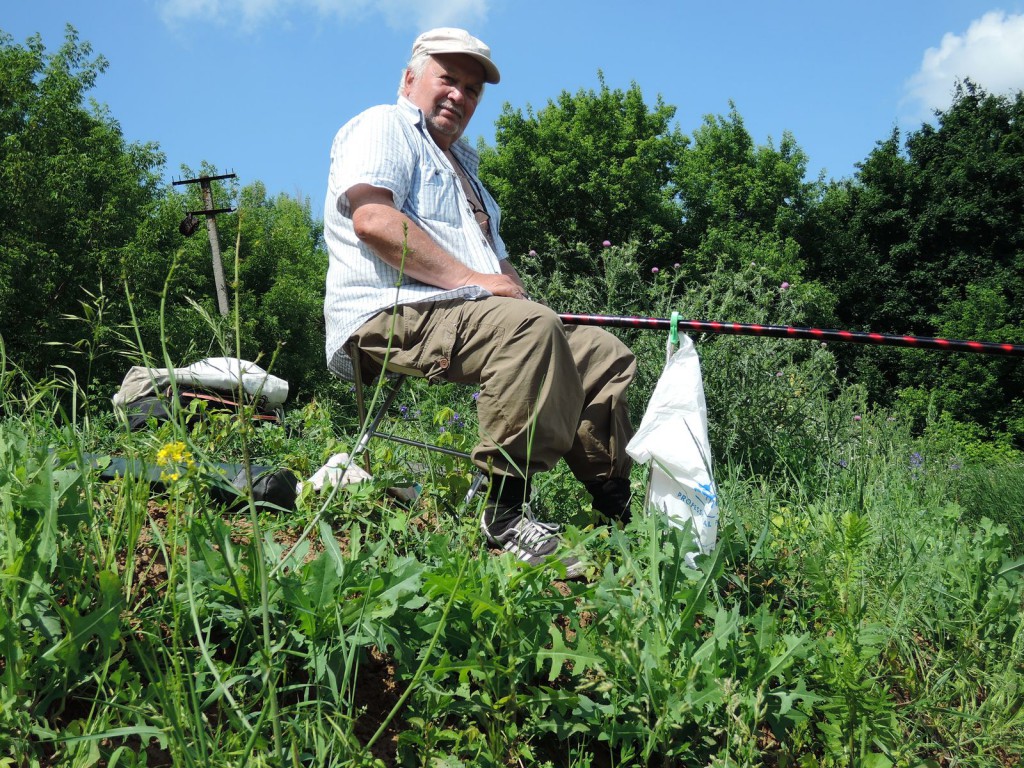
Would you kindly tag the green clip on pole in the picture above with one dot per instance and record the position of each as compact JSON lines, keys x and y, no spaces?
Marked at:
{"x":673,"y":337}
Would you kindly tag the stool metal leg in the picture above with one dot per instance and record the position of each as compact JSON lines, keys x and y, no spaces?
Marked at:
{"x":479,"y":481}
{"x":370,"y":429}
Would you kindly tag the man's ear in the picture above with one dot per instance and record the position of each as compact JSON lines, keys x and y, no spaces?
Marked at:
{"x":407,"y":80}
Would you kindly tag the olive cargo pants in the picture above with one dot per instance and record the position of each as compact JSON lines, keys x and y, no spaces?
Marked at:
{"x":547,"y":391}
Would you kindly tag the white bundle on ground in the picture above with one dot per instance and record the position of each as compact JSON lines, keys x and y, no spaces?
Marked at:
{"x":217,"y":373}
{"x":673,"y":436}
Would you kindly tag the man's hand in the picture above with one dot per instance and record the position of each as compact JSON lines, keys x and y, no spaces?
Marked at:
{"x":510,"y":272}
{"x":391,"y":234}
{"x":500,"y":285}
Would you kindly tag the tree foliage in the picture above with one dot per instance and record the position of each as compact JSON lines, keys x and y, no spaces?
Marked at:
{"x":743,"y":205}
{"x":274,"y":264}
{"x":589,"y":167}
{"x":282,"y":270}
{"x":930,"y":241}
{"x":74,"y":194}
{"x":729,"y":185}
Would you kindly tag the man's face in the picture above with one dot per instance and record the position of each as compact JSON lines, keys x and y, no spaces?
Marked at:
{"x":447,"y":92}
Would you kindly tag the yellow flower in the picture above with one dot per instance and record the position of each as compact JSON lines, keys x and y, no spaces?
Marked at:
{"x":174,"y":453}
{"x":174,"y":456}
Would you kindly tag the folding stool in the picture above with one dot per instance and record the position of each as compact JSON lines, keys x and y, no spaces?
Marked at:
{"x":370,"y":429}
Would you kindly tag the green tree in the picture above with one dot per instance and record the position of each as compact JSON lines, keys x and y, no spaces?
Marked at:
{"x":930,"y":241}
{"x":74,"y":193}
{"x":589,"y":167}
{"x":83,"y":217}
{"x":734,"y":193}
{"x":282,"y":269}
{"x":743,"y":206}
{"x":598,"y":166}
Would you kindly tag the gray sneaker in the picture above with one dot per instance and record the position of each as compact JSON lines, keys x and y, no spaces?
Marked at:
{"x":531,"y":541}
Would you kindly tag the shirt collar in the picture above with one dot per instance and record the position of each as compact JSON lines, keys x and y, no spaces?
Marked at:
{"x":461,"y":148}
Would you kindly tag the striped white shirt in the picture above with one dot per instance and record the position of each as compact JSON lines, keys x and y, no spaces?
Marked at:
{"x":389,"y":146}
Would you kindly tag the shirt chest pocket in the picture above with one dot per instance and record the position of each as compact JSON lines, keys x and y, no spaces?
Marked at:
{"x":436,"y":197}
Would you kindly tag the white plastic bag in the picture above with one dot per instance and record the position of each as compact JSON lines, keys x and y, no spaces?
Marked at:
{"x":673,"y":436}
{"x":339,"y":470}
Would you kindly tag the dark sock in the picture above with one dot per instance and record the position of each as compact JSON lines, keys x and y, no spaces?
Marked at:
{"x":505,"y":499}
{"x":612,"y":497}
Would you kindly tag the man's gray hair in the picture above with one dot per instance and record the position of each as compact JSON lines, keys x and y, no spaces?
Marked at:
{"x":417,"y":64}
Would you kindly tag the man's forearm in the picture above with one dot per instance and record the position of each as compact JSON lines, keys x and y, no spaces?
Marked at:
{"x":401,"y":243}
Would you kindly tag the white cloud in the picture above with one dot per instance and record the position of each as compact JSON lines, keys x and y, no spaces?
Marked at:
{"x":990,"y":53}
{"x":251,"y":15}
{"x":412,"y":14}
{"x":176,"y":11}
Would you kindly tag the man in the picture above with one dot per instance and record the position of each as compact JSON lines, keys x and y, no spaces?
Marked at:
{"x":419,"y":280}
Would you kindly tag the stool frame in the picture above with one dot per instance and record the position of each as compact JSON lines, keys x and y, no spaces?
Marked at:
{"x":371,"y":427}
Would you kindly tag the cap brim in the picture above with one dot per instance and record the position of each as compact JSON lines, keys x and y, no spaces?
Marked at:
{"x":491,"y":73}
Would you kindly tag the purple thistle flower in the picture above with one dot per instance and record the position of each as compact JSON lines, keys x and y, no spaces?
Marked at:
{"x":784,"y":286}
{"x":607,"y":243}
{"x":676,"y":265}
{"x":654,"y":270}
{"x":533,"y":252}
{"x":857,"y":417}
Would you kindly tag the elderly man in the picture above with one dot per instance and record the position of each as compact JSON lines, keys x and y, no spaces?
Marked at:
{"x":419,"y":281}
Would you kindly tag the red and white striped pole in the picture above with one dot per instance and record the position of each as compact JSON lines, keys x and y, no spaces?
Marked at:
{"x":791,"y":332}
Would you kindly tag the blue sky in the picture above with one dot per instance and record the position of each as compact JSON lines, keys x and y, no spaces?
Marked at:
{"x":259,"y":87}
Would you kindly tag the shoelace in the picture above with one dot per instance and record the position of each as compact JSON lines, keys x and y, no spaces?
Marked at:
{"x":528,"y":516}
{"x":530,"y":533}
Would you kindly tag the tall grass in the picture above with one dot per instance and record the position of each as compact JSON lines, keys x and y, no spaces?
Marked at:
{"x":862,"y":608}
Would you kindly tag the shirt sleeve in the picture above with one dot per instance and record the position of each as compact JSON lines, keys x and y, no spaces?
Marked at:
{"x":373,"y":150}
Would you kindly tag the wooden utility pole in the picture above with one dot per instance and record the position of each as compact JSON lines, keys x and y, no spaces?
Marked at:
{"x":211,"y":228}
